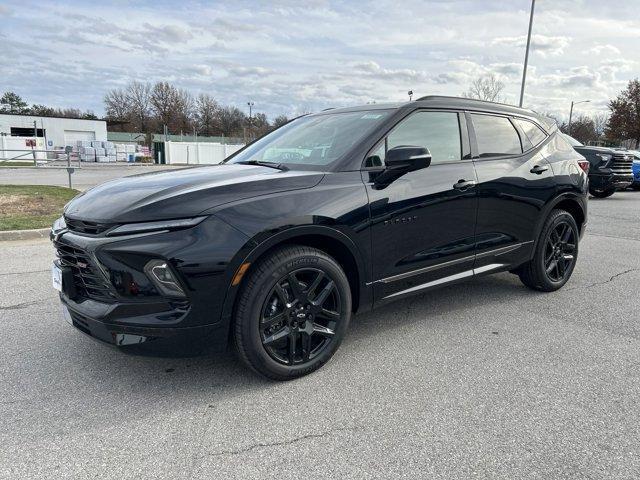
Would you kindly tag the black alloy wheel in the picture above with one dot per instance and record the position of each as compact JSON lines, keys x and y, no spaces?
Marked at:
{"x":555,"y":254}
{"x":559,"y":251}
{"x":300,"y":316}
{"x":293,"y":312}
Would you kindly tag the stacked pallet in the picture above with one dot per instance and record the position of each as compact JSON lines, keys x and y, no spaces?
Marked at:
{"x":96,"y":151}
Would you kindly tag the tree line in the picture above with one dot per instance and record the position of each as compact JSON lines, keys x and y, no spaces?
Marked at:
{"x":11,"y":102}
{"x":149,"y":108}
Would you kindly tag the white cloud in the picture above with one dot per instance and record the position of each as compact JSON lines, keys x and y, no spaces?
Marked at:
{"x":604,"y":50}
{"x":295,"y":56}
{"x":542,"y":44}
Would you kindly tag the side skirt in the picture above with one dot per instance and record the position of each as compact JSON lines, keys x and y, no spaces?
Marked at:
{"x":449,"y":279}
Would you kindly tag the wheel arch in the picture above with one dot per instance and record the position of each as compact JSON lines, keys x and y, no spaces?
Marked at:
{"x":330,"y":240}
{"x":570,"y":203}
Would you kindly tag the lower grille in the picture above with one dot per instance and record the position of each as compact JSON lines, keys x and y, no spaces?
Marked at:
{"x":87,"y":279}
{"x":621,"y":164}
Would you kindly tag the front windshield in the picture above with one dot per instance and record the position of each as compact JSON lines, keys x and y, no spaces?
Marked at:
{"x":573,"y":141}
{"x":317,"y":140}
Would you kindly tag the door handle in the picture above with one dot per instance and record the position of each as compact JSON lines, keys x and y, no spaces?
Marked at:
{"x":539,"y":169}
{"x":463,"y":185}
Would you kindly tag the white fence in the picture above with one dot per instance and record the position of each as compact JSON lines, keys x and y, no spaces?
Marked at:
{"x":193,"y":153}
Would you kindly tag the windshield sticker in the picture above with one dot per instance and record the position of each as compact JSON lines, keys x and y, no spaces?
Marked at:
{"x":371,"y":115}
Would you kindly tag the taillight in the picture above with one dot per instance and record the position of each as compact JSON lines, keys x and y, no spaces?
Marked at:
{"x":584,"y":165}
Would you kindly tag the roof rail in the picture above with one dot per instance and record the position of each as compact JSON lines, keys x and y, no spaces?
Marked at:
{"x":430,"y":97}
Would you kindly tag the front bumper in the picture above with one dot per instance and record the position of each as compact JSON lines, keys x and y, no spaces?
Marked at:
{"x":193,"y":340}
{"x":607,"y":181}
{"x":202,"y":256}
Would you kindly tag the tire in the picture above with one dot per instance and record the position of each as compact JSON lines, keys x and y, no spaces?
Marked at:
{"x":280,"y":331}
{"x":607,"y":192}
{"x":535,"y":274}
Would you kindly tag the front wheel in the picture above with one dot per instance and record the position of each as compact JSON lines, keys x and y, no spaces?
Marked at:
{"x":292,"y":312}
{"x":555,"y":256}
{"x":602,"y":192}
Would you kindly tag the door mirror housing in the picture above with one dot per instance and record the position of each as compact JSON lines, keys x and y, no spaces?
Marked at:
{"x":407,"y":158}
{"x":400,"y":160}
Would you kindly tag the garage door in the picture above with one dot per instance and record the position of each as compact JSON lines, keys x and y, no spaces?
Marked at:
{"x":72,"y":136}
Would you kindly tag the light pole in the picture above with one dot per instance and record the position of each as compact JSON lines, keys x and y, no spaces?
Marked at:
{"x":571,"y":112}
{"x":526,"y":54}
{"x":410,"y":93}
{"x":250,"y":104}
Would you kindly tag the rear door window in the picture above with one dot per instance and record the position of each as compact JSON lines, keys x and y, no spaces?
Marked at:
{"x":496,"y":136}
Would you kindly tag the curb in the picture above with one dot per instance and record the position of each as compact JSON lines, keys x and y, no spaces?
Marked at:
{"x":12,"y":235}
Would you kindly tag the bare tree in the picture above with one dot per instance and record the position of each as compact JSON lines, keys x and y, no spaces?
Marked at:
{"x":206,"y":109}
{"x":116,"y":105}
{"x":230,"y":120}
{"x":280,"y":120}
{"x":600,"y":121}
{"x":487,"y":87}
{"x":138,"y":97}
{"x":164,"y":101}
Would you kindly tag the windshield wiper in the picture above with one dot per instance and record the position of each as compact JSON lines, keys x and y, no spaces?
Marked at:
{"x":279,"y":166}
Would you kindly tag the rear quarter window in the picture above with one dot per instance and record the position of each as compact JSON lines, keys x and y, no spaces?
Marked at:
{"x":533,"y":133}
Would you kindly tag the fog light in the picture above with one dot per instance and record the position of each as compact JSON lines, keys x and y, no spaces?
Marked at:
{"x":163,"y":278}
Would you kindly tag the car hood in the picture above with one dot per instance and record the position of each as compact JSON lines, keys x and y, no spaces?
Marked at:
{"x":182,"y":193}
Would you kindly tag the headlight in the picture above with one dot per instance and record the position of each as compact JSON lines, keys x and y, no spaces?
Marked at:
{"x":143,"y":227}
{"x":59,"y":224}
{"x":161,"y":274}
{"x":604,"y":159}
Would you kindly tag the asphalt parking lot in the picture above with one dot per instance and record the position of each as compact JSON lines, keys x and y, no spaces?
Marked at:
{"x":484,"y":379}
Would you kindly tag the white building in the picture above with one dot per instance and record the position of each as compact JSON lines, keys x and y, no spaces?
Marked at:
{"x":50,"y":132}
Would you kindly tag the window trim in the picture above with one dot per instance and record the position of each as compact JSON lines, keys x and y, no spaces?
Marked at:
{"x":384,"y":137}
{"x":474,"y":142}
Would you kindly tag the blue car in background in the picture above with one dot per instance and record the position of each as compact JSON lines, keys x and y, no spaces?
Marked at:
{"x":636,"y":170}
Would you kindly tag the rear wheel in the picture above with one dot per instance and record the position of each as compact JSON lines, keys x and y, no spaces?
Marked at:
{"x":292,"y":313}
{"x":555,"y":256}
{"x":601,"y":192}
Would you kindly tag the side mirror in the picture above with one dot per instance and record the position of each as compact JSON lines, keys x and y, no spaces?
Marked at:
{"x":407,"y":158}
{"x":400,"y":160}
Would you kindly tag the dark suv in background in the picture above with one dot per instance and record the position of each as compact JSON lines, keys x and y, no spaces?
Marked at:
{"x":331,"y":214}
{"x":609,"y":169}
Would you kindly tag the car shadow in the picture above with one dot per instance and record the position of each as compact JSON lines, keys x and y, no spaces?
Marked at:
{"x":224,"y":372}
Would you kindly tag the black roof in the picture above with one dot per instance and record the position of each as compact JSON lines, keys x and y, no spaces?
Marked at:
{"x":461,"y":103}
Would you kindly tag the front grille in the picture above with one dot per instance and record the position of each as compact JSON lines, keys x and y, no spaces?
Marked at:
{"x":621,"y":164}
{"x":89,"y":228}
{"x":87,"y":279}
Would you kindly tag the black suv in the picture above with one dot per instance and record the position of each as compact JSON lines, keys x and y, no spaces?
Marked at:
{"x":610,"y":169}
{"x":331,"y":214}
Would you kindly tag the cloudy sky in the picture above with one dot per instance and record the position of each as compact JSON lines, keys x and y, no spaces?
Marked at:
{"x":293,"y":56}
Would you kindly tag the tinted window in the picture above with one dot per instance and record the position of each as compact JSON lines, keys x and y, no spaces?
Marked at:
{"x":437,"y":131}
{"x":495,"y":136}
{"x":532,"y":131}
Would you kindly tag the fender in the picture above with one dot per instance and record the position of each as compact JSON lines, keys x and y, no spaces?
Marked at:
{"x":254,"y":248}
{"x":574,"y":197}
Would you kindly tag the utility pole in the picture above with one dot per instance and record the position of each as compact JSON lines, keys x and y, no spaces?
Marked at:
{"x":571,"y":113}
{"x":526,"y":54}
